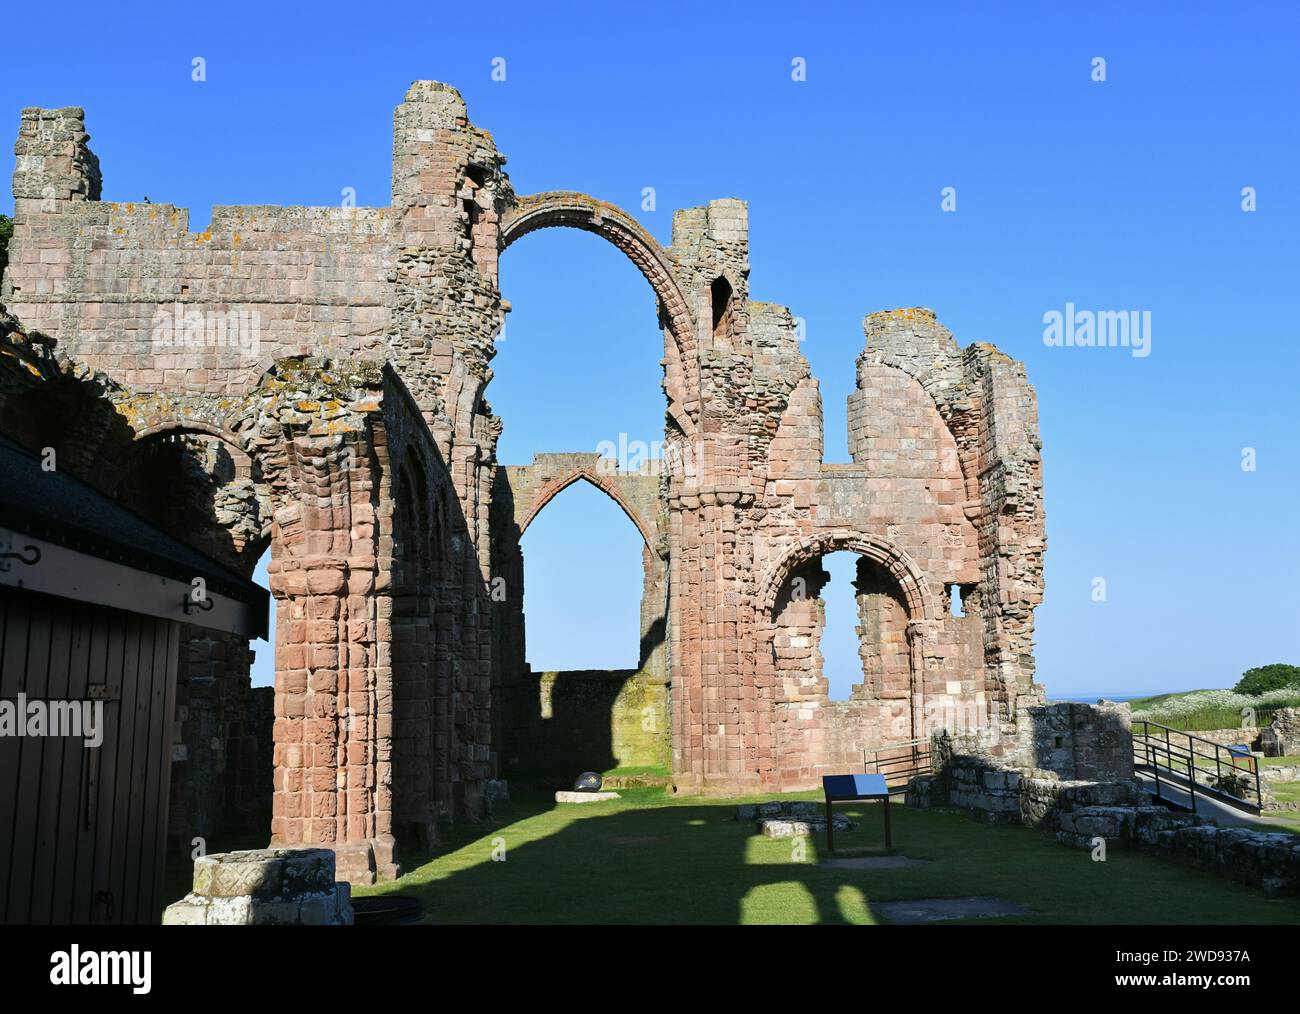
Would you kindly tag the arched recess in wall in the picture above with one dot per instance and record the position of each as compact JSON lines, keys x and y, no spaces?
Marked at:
{"x":914,"y":399}
{"x":424,"y":583}
{"x":912,"y":583}
{"x":890,"y":598}
{"x":421,"y":686}
{"x":720,"y":295}
{"x":194,"y":480}
{"x":580,"y":211}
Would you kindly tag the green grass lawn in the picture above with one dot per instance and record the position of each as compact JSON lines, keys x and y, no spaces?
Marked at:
{"x":1286,"y":792}
{"x":649,"y":858}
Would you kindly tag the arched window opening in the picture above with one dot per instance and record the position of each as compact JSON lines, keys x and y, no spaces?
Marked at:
{"x":201,"y":490}
{"x":721,"y":293}
{"x":594,"y":694}
{"x":578,"y":366}
{"x":580,"y":680}
{"x":583,"y":560}
{"x":841,"y":630}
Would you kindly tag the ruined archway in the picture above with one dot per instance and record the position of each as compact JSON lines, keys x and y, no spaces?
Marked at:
{"x":567,"y":714}
{"x":813,"y":734}
{"x":190,"y":477}
{"x":395,"y":311}
{"x":605,"y":479}
{"x":194,"y":479}
{"x":912,"y":583}
{"x":564,"y":209}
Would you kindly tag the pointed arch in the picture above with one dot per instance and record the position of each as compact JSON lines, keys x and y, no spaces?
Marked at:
{"x":592,"y":475}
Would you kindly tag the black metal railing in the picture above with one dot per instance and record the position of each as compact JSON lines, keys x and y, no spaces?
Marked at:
{"x":1195,"y":765}
{"x":900,"y":762}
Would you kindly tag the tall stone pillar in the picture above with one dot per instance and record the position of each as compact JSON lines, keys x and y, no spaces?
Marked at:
{"x":330,"y":575}
{"x":713,"y":690}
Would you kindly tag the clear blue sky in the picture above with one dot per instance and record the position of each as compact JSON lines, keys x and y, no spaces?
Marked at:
{"x":1117,"y":195}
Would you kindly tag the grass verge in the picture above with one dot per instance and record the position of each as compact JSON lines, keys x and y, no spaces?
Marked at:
{"x":649,"y":858}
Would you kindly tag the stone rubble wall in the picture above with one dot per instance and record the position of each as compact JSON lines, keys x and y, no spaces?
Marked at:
{"x":787,"y":819}
{"x":1270,"y":860}
{"x":1282,"y":737}
{"x":1247,"y":734}
{"x":1083,"y":812}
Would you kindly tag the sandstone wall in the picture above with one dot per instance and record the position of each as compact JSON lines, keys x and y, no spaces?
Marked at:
{"x":564,"y":723}
{"x":394,"y":531}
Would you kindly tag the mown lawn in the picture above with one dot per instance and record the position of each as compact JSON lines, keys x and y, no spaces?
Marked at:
{"x":1287,"y":792}
{"x":649,"y":858}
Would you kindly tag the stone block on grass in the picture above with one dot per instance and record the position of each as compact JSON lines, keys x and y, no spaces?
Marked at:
{"x":565,"y":796}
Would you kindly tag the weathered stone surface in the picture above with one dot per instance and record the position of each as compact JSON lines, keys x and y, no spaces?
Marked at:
{"x":801,"y":827}
{"x":1083,"y":826}
{"x":568,"y":796}
{"x":940,"y":909}
{"x":287,"y":887}
{"x":1117,"y":811}
{"x":1281,"y":738}
{"x":780,"y":808}
{"x":925,"y":791}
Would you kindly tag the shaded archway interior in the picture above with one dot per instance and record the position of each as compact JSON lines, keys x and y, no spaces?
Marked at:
{"x":592,"y":716}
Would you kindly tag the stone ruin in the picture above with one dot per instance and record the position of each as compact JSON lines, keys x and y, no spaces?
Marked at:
{"x":1281,"y":737}
{"x":264,"y":887}
{"x":315,"y":380}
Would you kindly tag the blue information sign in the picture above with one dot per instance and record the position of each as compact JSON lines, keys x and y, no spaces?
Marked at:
{"x":843,"y":788}
{"x":839,"y":787}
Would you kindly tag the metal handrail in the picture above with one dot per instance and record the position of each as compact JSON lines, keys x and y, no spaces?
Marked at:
{"x":917,"y":759}
{"x":1185,"y":756}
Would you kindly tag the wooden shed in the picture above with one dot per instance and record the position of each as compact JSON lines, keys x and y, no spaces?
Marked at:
{"x":93,"y":607}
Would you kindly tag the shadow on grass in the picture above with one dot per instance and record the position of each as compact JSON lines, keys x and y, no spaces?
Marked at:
{"x":650,"y":859}
{"x":658,"y":863}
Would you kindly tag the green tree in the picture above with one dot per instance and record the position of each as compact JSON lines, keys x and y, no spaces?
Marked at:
{"x":6,"y":230}
{"x":1264,"y":678}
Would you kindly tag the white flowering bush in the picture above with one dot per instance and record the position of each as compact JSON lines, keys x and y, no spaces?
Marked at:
{"x":1215,"y":709}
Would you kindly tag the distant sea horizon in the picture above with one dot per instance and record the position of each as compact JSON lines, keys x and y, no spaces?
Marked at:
{"x":1094,"y":698}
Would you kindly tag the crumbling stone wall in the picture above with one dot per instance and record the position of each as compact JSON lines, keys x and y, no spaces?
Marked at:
{"x":1090,"y":742}
{"x":1281,"y":737}
{"x":563,"y":723}
{"x":1086,"y":813}
{"x":339,"y":359}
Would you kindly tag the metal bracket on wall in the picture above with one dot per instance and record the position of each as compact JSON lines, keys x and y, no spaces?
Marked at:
{"x":189,"y":604}
{"x":29,"y":555}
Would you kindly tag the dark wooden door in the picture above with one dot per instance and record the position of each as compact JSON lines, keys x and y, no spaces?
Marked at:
{"x":82,"y":829}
